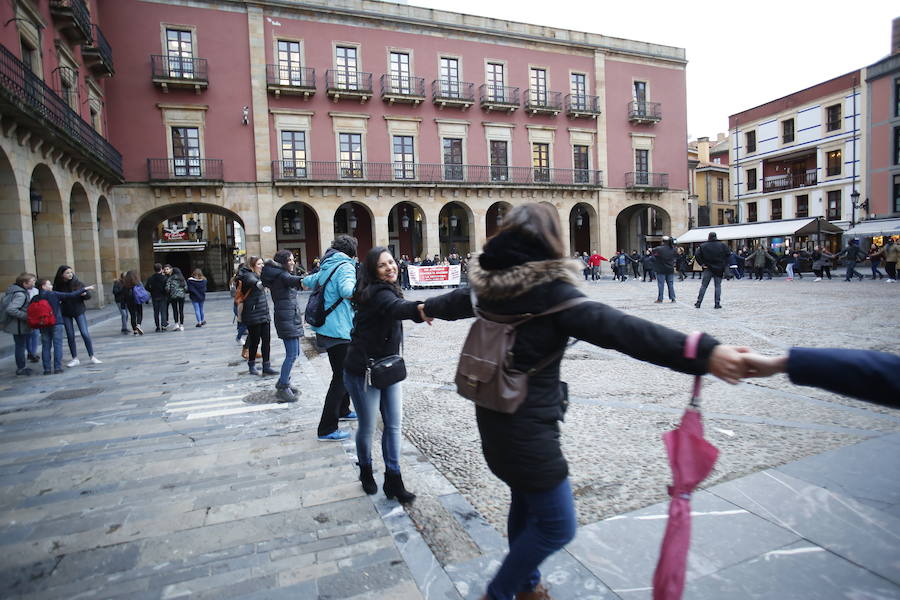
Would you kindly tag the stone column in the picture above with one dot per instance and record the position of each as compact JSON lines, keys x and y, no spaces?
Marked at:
{"x":16,"y":238}
{"x":432,"y":229}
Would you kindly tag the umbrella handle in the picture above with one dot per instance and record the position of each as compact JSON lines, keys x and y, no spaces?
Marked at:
{"x":690,"y":351}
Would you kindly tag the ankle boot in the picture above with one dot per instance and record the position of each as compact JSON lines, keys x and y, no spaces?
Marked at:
{"x":268,"y":370}
{"x":251,"y":365}
{"x":367,"y":479}
{"x":393,"y":487}
{"x":538,"y":593}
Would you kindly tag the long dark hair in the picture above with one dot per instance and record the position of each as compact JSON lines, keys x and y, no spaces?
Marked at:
{"x":177,"y":274}
{"x":130,"y":279}
{"x":367,"y":277}
{"x":60,"y":284}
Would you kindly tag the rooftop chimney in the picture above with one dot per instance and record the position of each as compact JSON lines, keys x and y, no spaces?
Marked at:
{"x":895,"y":37}
{"x":703,"y":149}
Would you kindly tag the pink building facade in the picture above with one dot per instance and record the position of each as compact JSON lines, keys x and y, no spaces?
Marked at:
{"x":883,"y":124}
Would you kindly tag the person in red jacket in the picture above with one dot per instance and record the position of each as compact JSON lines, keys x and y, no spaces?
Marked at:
{"x":594,"y":262}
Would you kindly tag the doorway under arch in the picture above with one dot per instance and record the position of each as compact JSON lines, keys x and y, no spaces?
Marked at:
{"x":298,"y":231}
{"x":406,"y":230}
{"x":641,"y":226}
{"x":493,"y":218}
{"x":456,"y":229}
{"x":354,"y":218}
{"x":49,"y":227}
{"x":582,"y":225}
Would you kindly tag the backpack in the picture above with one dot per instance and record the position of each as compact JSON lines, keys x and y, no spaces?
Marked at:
{"x":315,"y":313}
{"x":40,"y":314}
{"x":4,"y":304}
{"x":141,"y":295}
{"x":240,"y":294}
{"x":484,"y":374}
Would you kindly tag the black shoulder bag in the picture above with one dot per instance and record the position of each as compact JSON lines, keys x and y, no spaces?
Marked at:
{"x":388,"y":370}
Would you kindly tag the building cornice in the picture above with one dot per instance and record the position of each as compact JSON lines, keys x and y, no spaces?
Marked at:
{"x":292,"y":111}
{"x":163,"y":106}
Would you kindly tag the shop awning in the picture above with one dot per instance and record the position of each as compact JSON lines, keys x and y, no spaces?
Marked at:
{"x":875,"y":228}
{"x":740,"y":231}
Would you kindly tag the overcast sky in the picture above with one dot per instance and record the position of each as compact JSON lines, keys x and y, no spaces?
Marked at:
{"x":739,"y":55}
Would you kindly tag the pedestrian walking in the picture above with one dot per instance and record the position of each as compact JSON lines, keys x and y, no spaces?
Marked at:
{"x":118,"y":290}
{"x":792,"y":266}
{"x":15,"y":318}
{"x":713,"y":257}
{"x":377,"y":333}
{"x":757,"y":259}
{"x":595,"y":261}
{"x":681,"y":263}
{"x":622,"y":265}
{"x":278,"y":275}
{"x":176,"y":290}
{"x":648,"y":263}
{"x":586,"y":261}
{"x":52,"y":335}
{"x":664,"y":259}
{"x":255,"y":316}
{"x":196,"y":285}
{"x":852,"y":255}
{"x":733,"y":265}
{"x":156,"y":285}
{"x":874,"y":261}
{"x":339,"y":271}
{"x":821,"y":263}
{"x":236,"y":303}
{"x":133,"y":303}
{"x":73,"y":313}
{"x":891,"y":253}
{"x":635,"y":260}
{"x":522,"y":271}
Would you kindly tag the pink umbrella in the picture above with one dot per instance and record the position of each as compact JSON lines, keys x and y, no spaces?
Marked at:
{"x":691,"y":458}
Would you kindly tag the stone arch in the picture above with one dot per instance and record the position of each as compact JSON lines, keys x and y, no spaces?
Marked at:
{"x":355,"y":218}
{"x":407,"y":230}
{"x":583,"y":236}
{"x":51,"y":248}
{"x":16,"y":246}
{"x":493,"y":218}
{"x":642,"y":226}
{"x":106,"y":237}
{"x":297,"y":230}
{"x":456,"y":228}
{"x":216,"y":253}
{"x":84,"y":240}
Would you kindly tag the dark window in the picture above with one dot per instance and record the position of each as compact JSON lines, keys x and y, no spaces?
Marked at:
{"x":351,"y":155}
{"x":293,"y":153}
{"x":751,"y":212}
{"x":720,"y":190}
{"x":581,"y":161}
{"x":751,"y":179}
{"x":404,"y":157}
{"x":897,"y":145}
{"x":29,"y":56}
{"x":180,"y":53}
{"x":289,"y":72}
{"x":776,"y":209}
{"x":787,"y":131}
{"x":499,"y":161}
{"x":346,"y":65}
{"x":186,"y":151}
{"x":802,"y":206}
{"x":540,"y":159}
{"x":642,"y":167}
{"x":834,"y":205}
{"x":897,"y":193}
{"x":897,"y":97}
{"x":639,"y":93}
{"x":720,"y":214}
{"x":750,"y":138}
{"x":450,"y":77}
{"x":833,"y":117}
{"x":833,"y":163}
{"x":453,"y":158}
{"x":579,"y":91}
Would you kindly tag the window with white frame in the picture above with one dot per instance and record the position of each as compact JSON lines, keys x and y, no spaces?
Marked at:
{"x":290,"y":70}
{"x":186,"y":151}
{"x":642,"y":167}
{"x":578,"y":89}
{"x":537,"y":90}
{"x":400,"y":73}
{"x":496,"y":82}
{"x":351,"y":155}
{"x":581,"y":162}
{"x":293,"y":153}
{"x":499,"y":150}
{"x":453,"y":158}
{"x":180,"y":53}
{"x":449,"y":77}
{"x":404,"y":157}
{"x":540,"y":161}
{"x":346,"y":66}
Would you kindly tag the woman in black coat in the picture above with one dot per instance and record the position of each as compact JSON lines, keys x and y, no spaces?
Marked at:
{"x":255,"y":315}
{"x":522,"y":270}
{"x":73,"y":313}
{"x":278,"y":275}
{"x":376,"y":334}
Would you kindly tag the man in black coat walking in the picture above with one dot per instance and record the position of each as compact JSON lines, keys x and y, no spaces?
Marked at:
{"x":713,"y":257}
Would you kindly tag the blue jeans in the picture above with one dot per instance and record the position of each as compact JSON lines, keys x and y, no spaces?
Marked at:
{"x":291,"y":351}
{"x":69,"y":323}
{"x":368,"y":400}
{"x":717,"y":280}
{"x":198,"y":311}
{"x":539,"y":524}
{"x":52,"y":336}
{"x":241,"y":328}
{"x":669,"y":279}
{"x":20,"y":341}
{"x":123,"y":313}
{"x":851,"y":271}
{"x":33,"y":339}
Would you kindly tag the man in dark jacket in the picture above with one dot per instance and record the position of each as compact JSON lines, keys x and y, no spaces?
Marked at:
{"x":156,"y":285}
{"x":664,"y":260}
{"x":277,"y":275}
{"x":852,"y":255}
{"x":713,"y":257}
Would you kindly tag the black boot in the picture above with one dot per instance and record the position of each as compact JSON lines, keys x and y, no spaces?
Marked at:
{"x":251,"y":366}
{"x":393,"y":487}
{"x":367,"y":479}
{"x":268,"y":370}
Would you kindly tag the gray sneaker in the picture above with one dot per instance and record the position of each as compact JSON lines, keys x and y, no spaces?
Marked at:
{"x":285,"y":395}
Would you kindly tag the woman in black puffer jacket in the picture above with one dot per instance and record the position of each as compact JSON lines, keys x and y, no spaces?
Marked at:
{"x":255,"y":315}
{"x":522,"y":270}
{"x":278,"y":275}
{"x":73,"y":313}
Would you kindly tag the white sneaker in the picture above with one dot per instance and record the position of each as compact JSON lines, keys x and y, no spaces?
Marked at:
{"x":889,"y":281}
{"x":73,"y":363}
{"x":181,"y":328}
{"x":96,"y":360}
{"x":817,"y":279}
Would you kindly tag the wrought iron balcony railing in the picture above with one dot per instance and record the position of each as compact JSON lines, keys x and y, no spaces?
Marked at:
{"x":288,"y":171}
{"x":176,"y":69}
{"x":75,"y":18}
{"x":644,"y":112}
{"x":31,"y":100}
{"x":499,"y":97}
{"x":452,"y":92}
{"x":790,"y":181}
{"x":646,"y":180}
{"x":98,"y":54}
{"x":582,"y":105}
{"x":170,"y":170}
{"x":302,"y":78}
{"x":341,"y":81}
{"x":399,"y":88}
{"x":544,"y":102}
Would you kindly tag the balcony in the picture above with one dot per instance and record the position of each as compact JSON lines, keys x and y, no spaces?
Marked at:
{"x":37,"y":111}
{"x":179,"y":72}
{"x":286,"y":172}
{"x":644,"y":112}
{"x":402,"y":89}
{"x":97,"y":54}
{"x":448,"y":92}
{"x":790,"y":181}
{"x":582,"y":106}
{"x":185,"y":171}
{"x":73,"y":18}
{"x":543,"y":103}
{"x":291,"y":81}
{"x":643,"y":181}
{"x":354,"y":85}
{"x":499,"y":97}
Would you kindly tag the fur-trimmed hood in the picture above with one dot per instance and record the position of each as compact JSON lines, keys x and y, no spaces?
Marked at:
{"x":515,"y":281}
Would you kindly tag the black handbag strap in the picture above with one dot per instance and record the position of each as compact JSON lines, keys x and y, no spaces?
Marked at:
{"x":340,"y":299}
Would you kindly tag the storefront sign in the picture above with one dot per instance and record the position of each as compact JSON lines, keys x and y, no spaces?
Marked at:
{"x":173,"y":236}
{"x":434,"y":276}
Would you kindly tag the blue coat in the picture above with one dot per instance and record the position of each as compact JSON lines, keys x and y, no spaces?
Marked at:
{"x":864,"y":374}
{"x":285,"y":288}
{"x":339,"y":323}
{"x":197,"y":289}
{"x":54,"y":298}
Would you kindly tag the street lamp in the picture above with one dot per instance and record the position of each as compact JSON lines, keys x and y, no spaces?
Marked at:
{"x":579,"y":218}
{"x":352,"y":222}
{"x":404,"y":220}
{"x":36,"y":203}
{"x":854,"y":204}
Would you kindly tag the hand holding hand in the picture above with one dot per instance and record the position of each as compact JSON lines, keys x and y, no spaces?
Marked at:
{"x":90,"y":287}
{"x":425,"y":317}
{"x":727,"y":363}
{"x":763,"y":366}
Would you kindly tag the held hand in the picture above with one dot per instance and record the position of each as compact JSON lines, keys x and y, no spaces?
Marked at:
{"x":764,"y":366}
{"x":727,"y":363}
{"x":90,"y":287}
{"x":425,"y":317}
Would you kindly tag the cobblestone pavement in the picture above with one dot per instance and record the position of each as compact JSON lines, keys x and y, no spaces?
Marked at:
{"x":150,"y":476}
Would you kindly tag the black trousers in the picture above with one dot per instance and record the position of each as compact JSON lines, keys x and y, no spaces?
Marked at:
{"x":136,"y":312}
{"x":256,"y":333}
{"x":161,"y":311}
{"x":337,"y":400}
{"x":177,"y":310}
